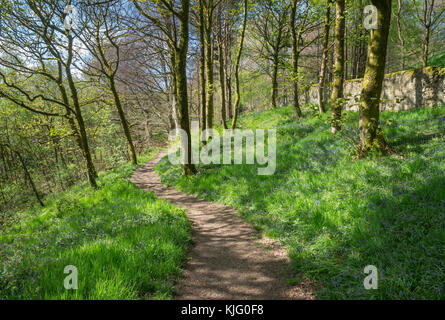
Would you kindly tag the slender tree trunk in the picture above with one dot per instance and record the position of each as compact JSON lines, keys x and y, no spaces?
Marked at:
{"x":346,"y":54}
{"x":174,"y":112}
{"x":237,"y":62}
{"x":5,"y":165}
{"x":295,"y":57}
{"x":426,"y":47}
{"x":337,"y":87}
{"x":427,"y":23}
{"x":202,"y":66}
{"x":324,"y":59}
{"x":228,"y":65}
{"x":371,"y":135}
{"x":92,"y":175}
{"x":275,"y":80}
{"x":29,"y":178}
{"x":229,"y":97}
{"x":399,"y":32}
{"x":209,"y":63}
{"x":69,"y":116}
{"x":110,"y":75}
{"x":354,"y":52}
{"x":222,"y":76}
{"x":123,"y":120}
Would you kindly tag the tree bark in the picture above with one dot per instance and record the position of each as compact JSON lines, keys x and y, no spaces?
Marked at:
{"x":428,"y":24}
{"x":202,"y":67}
{"x":229,"y":97}
{"x":228,"y":65}
{"x":275,"y":79}
{"x":324,"y":59}
{"x":110,"y":75}
{"x":92,"y":175}
{"x":399,"y":32}
{"x":295,"y":57}
{"x":371,"y":135}
{"x":209,"y":62}
{"x":426,"y":47}
{"x":123,"y":120}
{"x":28,"y":176}
{"x":237,"y":63}
{"x":222,"y":77}
{"x":181,"y":81}
{"x":337,"y":87}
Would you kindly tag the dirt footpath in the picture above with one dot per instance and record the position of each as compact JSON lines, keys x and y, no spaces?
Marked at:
{"x":229,"y":259}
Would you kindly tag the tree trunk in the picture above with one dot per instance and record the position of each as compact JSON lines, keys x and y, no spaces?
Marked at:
{"x":123,"y":120}
{"x":337,"y":87}
{"x":228,"y":64}
{"x":110,"y":75}
{"x":324,"y":59}
{"x":275,"y":80}
{"x":399,"y":32}
{"x":92,"y":175}
{"x":29,"y":178}
{"x":371,"y":135}
{"x":237,"y":62}
{"x":181,"y":81}
{"x":209,"y":63}
{"x":428,"y":24}
{"x":222,"y":77}
{"x":202,"y":66}
{"x":229,"y":97}
{"x":426,"y":47}
{"x":5,"y":165}
{"x":295,"y":57}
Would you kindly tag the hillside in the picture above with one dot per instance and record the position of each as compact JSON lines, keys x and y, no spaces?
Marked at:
{"x":124,"y":242}
{"x":336,"y":216}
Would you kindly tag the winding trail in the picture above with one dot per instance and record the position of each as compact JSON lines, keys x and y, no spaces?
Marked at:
{"x":229,"y":259}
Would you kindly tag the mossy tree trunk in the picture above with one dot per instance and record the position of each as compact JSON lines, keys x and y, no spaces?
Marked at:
{"x":92,"y":174}
{"x":228,"y":64}
{"x":178,"y":55}
{"x":209,"y":8}
{"x":202,"y":59}
{"x":400,"y":35}
{"x":181,"y":81}
{"x":222,"y":76}
{"x":371,"y":135}
{"x":110,"y":73}
{"x":237,"y":63}
{"x":296,"y":37}
{"x":276,"y":63}
{"x":123,"y":120}
{"x":339,"y":64}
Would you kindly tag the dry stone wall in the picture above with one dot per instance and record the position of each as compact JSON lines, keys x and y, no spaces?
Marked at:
{"x":402,"y":90}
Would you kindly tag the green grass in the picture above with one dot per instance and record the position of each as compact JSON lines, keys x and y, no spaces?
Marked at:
{"x":437,"y":60}
{"x":125,"y":243}
{"x":336,"y":216}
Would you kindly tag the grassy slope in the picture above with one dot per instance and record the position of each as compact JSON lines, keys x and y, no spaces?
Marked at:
{"x":437,"y":60}
{"x":125,"y":243}
{"x":337,"y":216}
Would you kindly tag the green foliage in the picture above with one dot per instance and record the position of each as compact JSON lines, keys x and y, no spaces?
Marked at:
{"x":334,"y":215}
{"x":125,"y":242}
{"x":437,"y":60}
